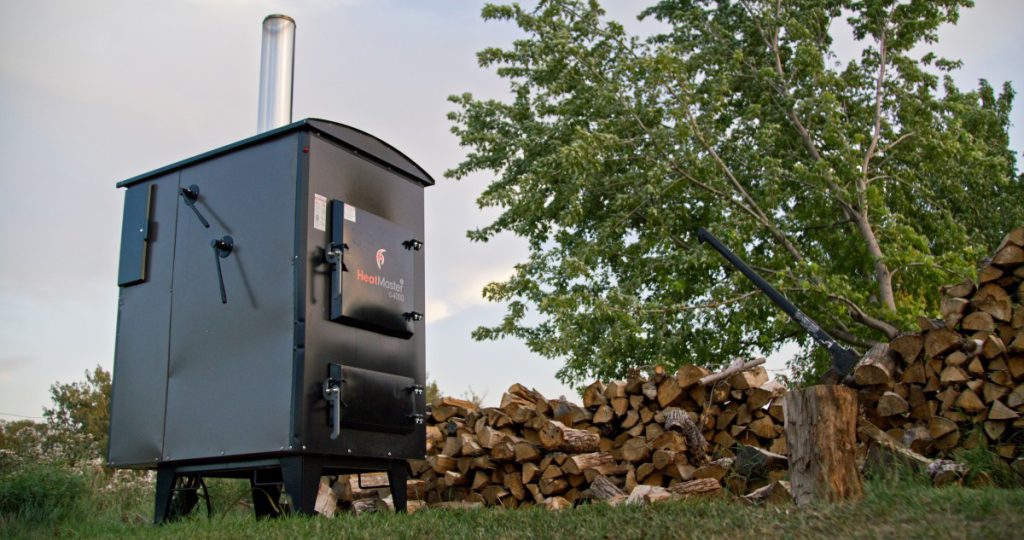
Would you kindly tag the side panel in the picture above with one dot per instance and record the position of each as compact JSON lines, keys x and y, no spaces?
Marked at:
{"x":230,"y":378}
{"x":143,"y":323}
{"x":336,"y":173}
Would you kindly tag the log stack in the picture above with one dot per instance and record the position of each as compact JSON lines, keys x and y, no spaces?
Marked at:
{"x":665,"y":431}
{"x":959,"y":382}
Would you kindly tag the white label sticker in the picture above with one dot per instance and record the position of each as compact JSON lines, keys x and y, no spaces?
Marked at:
{"x":319,"y":212}
{"x":350,"y":213}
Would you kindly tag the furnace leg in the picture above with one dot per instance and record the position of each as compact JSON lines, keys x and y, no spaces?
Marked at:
{"x":301,"y":482}
{"x":165,"y":477}
{"x":398,"y":477}
{"x":265,"y":499}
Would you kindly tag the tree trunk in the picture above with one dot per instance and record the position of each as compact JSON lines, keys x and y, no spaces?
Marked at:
{"x":821,"y":431}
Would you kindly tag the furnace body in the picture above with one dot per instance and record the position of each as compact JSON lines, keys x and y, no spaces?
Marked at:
{"x":270,"y":309}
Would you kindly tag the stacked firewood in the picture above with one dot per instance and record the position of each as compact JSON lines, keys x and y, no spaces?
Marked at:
{"x":959,"y":382}
{"x":660,"y":432}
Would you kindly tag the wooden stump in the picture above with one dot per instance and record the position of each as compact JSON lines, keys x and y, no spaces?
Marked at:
{"x":821,"y":432}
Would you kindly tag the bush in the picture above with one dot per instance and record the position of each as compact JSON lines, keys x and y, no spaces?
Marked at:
{"x":41,"y":493}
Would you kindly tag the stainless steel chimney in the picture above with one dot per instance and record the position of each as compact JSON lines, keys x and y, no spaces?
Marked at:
{"x":277,"y":68}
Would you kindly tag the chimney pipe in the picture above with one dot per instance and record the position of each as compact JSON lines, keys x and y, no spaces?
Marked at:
{"x":277,"y":70}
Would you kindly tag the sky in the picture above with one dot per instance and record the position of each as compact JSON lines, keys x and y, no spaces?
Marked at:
{"x":95,"y":92}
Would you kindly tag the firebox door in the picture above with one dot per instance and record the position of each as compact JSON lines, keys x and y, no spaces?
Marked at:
{"x":373,"y":271}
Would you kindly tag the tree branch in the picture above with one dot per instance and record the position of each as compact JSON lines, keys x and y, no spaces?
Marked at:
{"x":876,"y":131}
{"x":767,"y":223}
{"x":843,"y":334}
{"x":860,"y":316}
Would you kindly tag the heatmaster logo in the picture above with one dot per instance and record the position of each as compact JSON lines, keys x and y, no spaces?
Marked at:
{"x":393,"y":289}
{"x":380,"y":258}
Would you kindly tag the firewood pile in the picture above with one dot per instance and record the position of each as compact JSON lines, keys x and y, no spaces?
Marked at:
{"x":662,"y":432}
{"x":959,"y":382}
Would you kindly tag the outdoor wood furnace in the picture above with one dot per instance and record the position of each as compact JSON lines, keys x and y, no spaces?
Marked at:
{"x":269,"y":319}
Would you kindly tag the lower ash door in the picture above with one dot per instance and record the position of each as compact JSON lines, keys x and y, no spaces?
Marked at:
{"x":370,"y":400}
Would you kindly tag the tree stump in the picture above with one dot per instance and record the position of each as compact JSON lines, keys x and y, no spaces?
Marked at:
{"x":821,"y":432}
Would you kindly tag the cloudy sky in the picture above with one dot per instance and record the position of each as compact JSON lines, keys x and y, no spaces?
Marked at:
{"x":95,"y":92}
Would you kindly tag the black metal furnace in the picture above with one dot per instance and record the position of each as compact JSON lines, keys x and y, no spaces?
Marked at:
{"x":269,"y":320}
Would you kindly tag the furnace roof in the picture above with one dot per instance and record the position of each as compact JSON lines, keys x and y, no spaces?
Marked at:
{"x":372,"y":147}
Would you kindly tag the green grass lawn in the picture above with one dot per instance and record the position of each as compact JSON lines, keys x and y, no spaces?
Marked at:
{"x":894,"y":509}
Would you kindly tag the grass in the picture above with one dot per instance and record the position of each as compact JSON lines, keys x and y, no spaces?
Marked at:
{"x":895,"y":506}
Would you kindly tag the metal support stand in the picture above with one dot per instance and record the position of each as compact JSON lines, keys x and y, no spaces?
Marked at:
{"x":398,"y":477}
{"x":265,"y":499}
{"x":164,"y":490}
{"x":301,"y":477}
{"x":177,"y":494}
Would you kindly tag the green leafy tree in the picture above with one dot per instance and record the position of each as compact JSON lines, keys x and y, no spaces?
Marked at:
{"x":79,"y":422}
{"x":856,"y":187}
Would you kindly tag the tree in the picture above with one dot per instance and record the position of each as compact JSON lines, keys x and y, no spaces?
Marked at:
{"x":433,"y":392}
{"x":856,"y":187}
{"x":21,"y":442}
{"x":79,"y":422}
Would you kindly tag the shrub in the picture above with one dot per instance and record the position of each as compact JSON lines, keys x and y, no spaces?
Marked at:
{"x":41,"y":493}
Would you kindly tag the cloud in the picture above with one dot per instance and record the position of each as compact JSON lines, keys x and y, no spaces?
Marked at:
{"x":10,"y":364}
{"x":437,"y":310}
{"x":467,"y":294}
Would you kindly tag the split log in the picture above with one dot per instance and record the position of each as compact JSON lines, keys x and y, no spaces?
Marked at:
{"x":463,"y":405}
{"x":690,"y":375}
{"x":989,"y":274}
{"x":940,"y":341}
{"x":669,"y":392}
{"x":525,"y":451}
{"x":750,"y":378}
{"x":603,"y":415}
{"x":615,"y":389}
{"x":908,"y":346}
{"x":716,"y":469}
{"x":636,"y":450}
{"x":603,"y":462}
{"x":602,"y":489}
{"x":326,"y":501}
{"x":979,"y":321}
{"x":952,"y":310}
{"x":530,"y":472}
{"x":778,"y":492}
{"x":993,"y":300}
{"x":877,"y":367}
{"x":556,"y":436}
{"x":961,"y":290}
{"x":1001,"y":412}
{"x":1009,"y":256}
{"x":593,"y":395}
{"x":970,"y":402}
{"x":763,"y":394}
{"x":693,"y":488}
{"x":821,"y":423}
{"x":892,"y":404}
